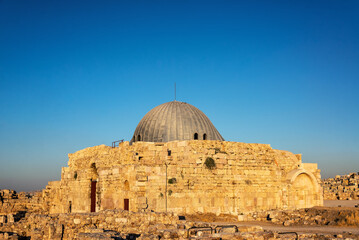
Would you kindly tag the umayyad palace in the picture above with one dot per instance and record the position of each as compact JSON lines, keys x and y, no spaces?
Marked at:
{"x":177,"y":161}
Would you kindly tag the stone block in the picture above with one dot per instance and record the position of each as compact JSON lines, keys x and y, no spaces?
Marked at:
{"x":242,"y":218}
{"x":10,"y":218}
{"x":142,"y":178}
{"x":2,"y":219}
{"x":121,"y":220}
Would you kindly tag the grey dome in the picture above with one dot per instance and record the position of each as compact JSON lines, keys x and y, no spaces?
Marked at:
{"x":175,"y":121}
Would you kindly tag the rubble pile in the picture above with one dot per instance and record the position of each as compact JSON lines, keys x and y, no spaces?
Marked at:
{"x":120,"y":225}
{"x":12,"y":202}
{"x":104,"y":224}
{"x":342,"y":187}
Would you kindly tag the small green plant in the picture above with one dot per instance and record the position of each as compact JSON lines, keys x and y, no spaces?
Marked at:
{"x":161,"y":195}
{"x":169,"y":192}
{"x":172,"y":180}
{"x":210,"y":164}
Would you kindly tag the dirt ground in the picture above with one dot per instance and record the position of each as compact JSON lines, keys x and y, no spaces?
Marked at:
{"x":343,"y":203}
{"x":328,"y":208}
{"x":303,"y":229}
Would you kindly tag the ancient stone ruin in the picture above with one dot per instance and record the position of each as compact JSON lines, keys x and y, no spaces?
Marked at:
{"x":345,"y":187}
{"x":176,"y":164}
{"x":243,"y":178}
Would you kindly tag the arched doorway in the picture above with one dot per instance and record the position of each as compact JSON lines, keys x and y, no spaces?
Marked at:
{"x":94,"y":178}
{"x":93,"y":195}
{"x":304,"y":190}
{"x":126,"y":200}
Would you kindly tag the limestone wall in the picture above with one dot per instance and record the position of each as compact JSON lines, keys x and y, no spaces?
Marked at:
{"x":175,"y":177}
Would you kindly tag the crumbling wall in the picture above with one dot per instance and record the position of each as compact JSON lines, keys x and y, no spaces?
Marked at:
{"x":14,"y":206}
{"x":13,"y":202}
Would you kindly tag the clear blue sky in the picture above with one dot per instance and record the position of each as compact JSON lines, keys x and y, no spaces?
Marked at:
{"x":75,"y":74}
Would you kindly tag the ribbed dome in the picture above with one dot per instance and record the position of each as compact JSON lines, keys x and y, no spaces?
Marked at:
{"x":175,"y":121}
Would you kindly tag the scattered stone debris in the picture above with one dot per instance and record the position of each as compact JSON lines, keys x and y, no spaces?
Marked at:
{"x":120,"y":225}
{"x":316,"y":216}
{"x":345,"y":187}
{"x":24,"y":217}
{"x":13,"y":202}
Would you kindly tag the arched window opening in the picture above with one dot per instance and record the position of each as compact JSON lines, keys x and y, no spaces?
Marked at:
{"x":195,"y":137}
{"x":139,"y":138}
{"x":126,"y":186}
{"x":204,"y":136}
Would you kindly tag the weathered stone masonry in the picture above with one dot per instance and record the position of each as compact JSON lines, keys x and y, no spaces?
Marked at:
{"x":173,"y":176}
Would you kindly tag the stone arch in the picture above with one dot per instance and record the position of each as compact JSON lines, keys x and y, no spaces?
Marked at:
{"x":304,"y":189}
{"x":93,"y":171}
{"x":204,"y":136}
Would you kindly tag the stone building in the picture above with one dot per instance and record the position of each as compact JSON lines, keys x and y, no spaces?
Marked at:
{"x":177,"y":161}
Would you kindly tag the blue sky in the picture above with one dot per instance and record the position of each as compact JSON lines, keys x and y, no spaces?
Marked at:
{"x":75,"y":74}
